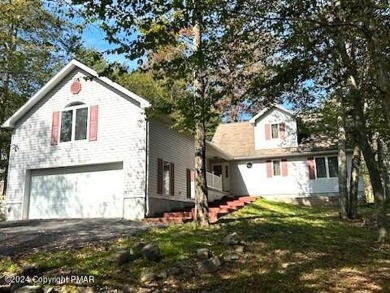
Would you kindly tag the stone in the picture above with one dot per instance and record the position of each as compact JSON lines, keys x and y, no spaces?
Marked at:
{"x":120,"y":257}
{"x":210,"y":265}
{"x":232,"y":257}
{"x":51,"y":290}
{"x":135,"y":250}
{"x":151,"y":251}
{"x":231,"y":239}
{"x":240,"y":249}
{"x":148,"y":277}
{"x":29,"y":289}
{"x":203,"y":253}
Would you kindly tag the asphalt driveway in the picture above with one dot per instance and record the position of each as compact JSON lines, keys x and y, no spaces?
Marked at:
{"x":19,"y":237}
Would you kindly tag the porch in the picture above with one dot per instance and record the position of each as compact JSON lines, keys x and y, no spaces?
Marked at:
{"x":218,"y":172}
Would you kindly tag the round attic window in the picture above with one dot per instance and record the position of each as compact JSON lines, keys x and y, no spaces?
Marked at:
{"x":249,"y":165}
{"x":75,"y":87}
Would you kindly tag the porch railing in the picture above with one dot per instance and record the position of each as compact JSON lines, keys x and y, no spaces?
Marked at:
{"x":214,"y":181}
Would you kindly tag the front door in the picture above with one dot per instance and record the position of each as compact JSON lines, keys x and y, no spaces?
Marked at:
{"x":223,"y":169}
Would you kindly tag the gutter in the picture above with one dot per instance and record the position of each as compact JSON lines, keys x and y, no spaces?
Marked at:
{"x":313,"y":153}
{"x":146,"y":203}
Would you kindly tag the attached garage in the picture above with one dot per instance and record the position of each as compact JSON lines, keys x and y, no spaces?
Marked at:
{"x":94,"y":191}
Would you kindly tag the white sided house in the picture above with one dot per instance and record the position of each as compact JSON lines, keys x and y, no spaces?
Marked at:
{"x":83,"y":148}
{"x":268,"y":162}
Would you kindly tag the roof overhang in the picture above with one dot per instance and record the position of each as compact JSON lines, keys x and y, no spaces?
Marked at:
{"x":216,"y":151}
{"x":289,"y":155}
{"x":11,"y":122}
{"x":266,"y":110}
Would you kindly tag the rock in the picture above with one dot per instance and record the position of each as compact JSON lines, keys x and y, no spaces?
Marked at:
{"x":240,"y":249}
{"x":51,"y":290}
{"x":135,"y":250}
{"x":203,"y":253}
{"x":148,"y":277}
{"x":120,"y":257}
{"x":209,"y":265}
{"x":232,"y":257}
{"x":231,"y":239}
{"x":29,"y":289}
{"x":151,"y":251}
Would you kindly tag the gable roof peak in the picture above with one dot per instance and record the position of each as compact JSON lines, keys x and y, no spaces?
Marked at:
{"x":267,"y":109}
{"x":54,"y":81}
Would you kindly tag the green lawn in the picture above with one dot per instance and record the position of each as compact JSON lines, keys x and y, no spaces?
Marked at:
{"x":289,"y":249}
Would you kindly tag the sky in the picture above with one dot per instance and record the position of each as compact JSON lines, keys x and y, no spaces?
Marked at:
{"x":94,"y":37}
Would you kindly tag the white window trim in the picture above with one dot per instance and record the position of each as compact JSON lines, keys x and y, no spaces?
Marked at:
{"x":73,"y":108}
{"x":326,"y":167}
{"x":168,"y":193}
{"x":278,"y":129}
{"x":280,"y":168}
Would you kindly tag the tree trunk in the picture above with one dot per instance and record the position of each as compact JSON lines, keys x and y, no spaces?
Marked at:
{"x":372,"y":166}
{"x":383,"y":165}
{"x":342,"y":159}
{"x":368,"y":193}
{"x":354,"y":183}
{"x":201,"y":202}
{"x":201,"y":197}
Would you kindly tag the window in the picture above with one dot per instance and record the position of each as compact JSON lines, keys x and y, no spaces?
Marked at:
{"x":333,"y":167}
{"x":326,"y":167}
{"x":165,"y":177}
{"x":274,"y":130}
{"x":276,"y":168}
{"x":74,"y":121}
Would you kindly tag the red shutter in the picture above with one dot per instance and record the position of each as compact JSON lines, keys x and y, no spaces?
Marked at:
{"x":284,"y":168}
{"x":55,"y":128}
{"x":160,"y":176}
{"x":269,"y":168}
{"x":282,"y":130}
{"x":93,"y":123}
{"x":311,"y":166}
{"x":172,"y":179}
{"x":267,"y":131}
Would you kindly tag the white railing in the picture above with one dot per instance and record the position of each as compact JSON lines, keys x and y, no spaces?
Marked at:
{"x":214,"y":181}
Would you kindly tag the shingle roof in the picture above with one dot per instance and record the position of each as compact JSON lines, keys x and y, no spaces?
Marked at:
{"x":237,"y":139}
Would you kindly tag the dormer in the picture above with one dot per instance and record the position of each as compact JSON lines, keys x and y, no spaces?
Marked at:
{"x":274,"y":127}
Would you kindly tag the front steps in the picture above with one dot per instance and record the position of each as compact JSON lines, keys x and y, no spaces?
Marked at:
{"x":217,"y":209}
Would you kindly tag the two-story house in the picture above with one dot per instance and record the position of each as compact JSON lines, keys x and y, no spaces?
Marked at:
{"x":267,"y":160}
{"x":83,"y":148}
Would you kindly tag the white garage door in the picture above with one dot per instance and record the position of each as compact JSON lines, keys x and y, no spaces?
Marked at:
{"x":84,"y":192}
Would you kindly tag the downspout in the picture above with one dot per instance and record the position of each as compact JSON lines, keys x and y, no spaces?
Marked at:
{"x":146,"y":168}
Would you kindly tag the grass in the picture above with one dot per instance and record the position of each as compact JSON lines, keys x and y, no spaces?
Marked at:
{"x":290,"y":249}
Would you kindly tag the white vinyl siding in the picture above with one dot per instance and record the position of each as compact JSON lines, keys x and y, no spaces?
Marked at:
{"x":172,"y":147}
{"x":274,"y":118}
{"x":121,"y":138}
{"x":253,"y":181}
